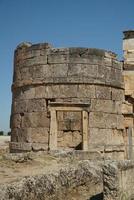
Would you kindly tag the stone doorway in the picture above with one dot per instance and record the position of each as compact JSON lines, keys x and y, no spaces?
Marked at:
{"x":57,"y":109}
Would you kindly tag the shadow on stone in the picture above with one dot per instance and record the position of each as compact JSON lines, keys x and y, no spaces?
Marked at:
{"x":79,"y":146}
{"x":97,"y":197}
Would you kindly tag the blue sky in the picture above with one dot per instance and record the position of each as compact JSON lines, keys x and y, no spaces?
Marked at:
{"x":63,"y":23}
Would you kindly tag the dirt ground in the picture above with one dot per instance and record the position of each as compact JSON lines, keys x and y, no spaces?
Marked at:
{"x":16,"y":166}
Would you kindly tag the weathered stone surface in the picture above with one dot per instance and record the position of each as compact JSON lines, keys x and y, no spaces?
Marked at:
{"x":111,"y":182}
{"x":86,"y":91}
{"x":102,"y":120}
{"x":40,"y":146}
{"x":16,"y":121}
{"x":118,"y":180}
{"x":58,"y":56}
{"x":20,"y":147}
{"x":21,"y":135}
{"x":79,"y":182}
{"x":35,"y":119}
{"x":117,"y":94}
{"x":105,"y":137}
{"x":128,"y":122}
{"x":35,"y":105}
{"x":19,"y":106}
{"x":82,"y":70}
{"x":129,"y":82}
{"x":108,"y":106}
{"x":103,"y":92}
{"x":44,"y":75}
{"x":127,"y":107}
{"x":70,"y":139}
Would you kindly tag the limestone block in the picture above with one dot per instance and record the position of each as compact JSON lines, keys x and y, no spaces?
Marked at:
{"x":58,"y":58}
{"x":117,"y":137}
{"x":72,"y":115}
{"x":40,"y":92}
{"x":92,"y":60}
{"x":56,"y":91}
{"x":97,"y":120}
{"x":85,"y":52}
{"x":80,"y":79}
{"x":17,"y":75}
{"x":108,"y":61}
{"x":98,"y":136}
{"x":102,"y":105}
{"x":67,"y":140}
{"x":82,"y":70}
{"x":59,"y":70}
{"x":36,"y":72}
{"x":64,"y":125}
{"x":17,"y":94}
{"x":35,"y":119}
{"x":117,"y":94}
{"x":114,"y":77}
{"x":25,"y":74}
{"x":19,"y":106}
{"x":35,"y":105}
{"x":70,"y":139}
{"x":128,"y":44}
{"x":117,"y":64}
{"x":47,"y":71}
{"x":83,"y":55}
{"x":64,"y":91}
{"x":69,"y":124}
{"x":118,"y":105}
{"x":127,"y":107}
{"x":120,"y":122}
{"x":40,"y":60}
{"x":20,"y":147}
{"x":129,"y":82}
{"x":111,"y":120}
{"x":39,"y":146}
{"x":86,"y":91}
{"x":76,"y":138}
{"x":27,"y":54}
{"x":103,"y":92}
{"x":102,"y":120}
{"x":21,"y":135}
{"x":76,"y":125}
{"x":24,"y":93}
{"x":129,"y":55}
{"x":39,"y":135}
{"x":61,"y":80}
{"x":16,"y":121}
{"x":101,"y":73}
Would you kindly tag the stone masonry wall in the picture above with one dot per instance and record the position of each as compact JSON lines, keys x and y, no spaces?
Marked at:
{"x":118,"y":180}
{"x":128,"y":74}
{"x":43,"y":74}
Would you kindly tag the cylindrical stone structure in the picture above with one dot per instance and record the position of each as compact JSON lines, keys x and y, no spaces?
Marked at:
{"x":66,"y":98}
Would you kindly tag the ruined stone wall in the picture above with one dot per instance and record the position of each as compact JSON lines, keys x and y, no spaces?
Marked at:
{"x":74,"y":76}
{"x":118,"y":180}
{"x":128,"y":74}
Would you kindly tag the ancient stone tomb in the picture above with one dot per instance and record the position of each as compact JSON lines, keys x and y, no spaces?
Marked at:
{"x":66,"y":98}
